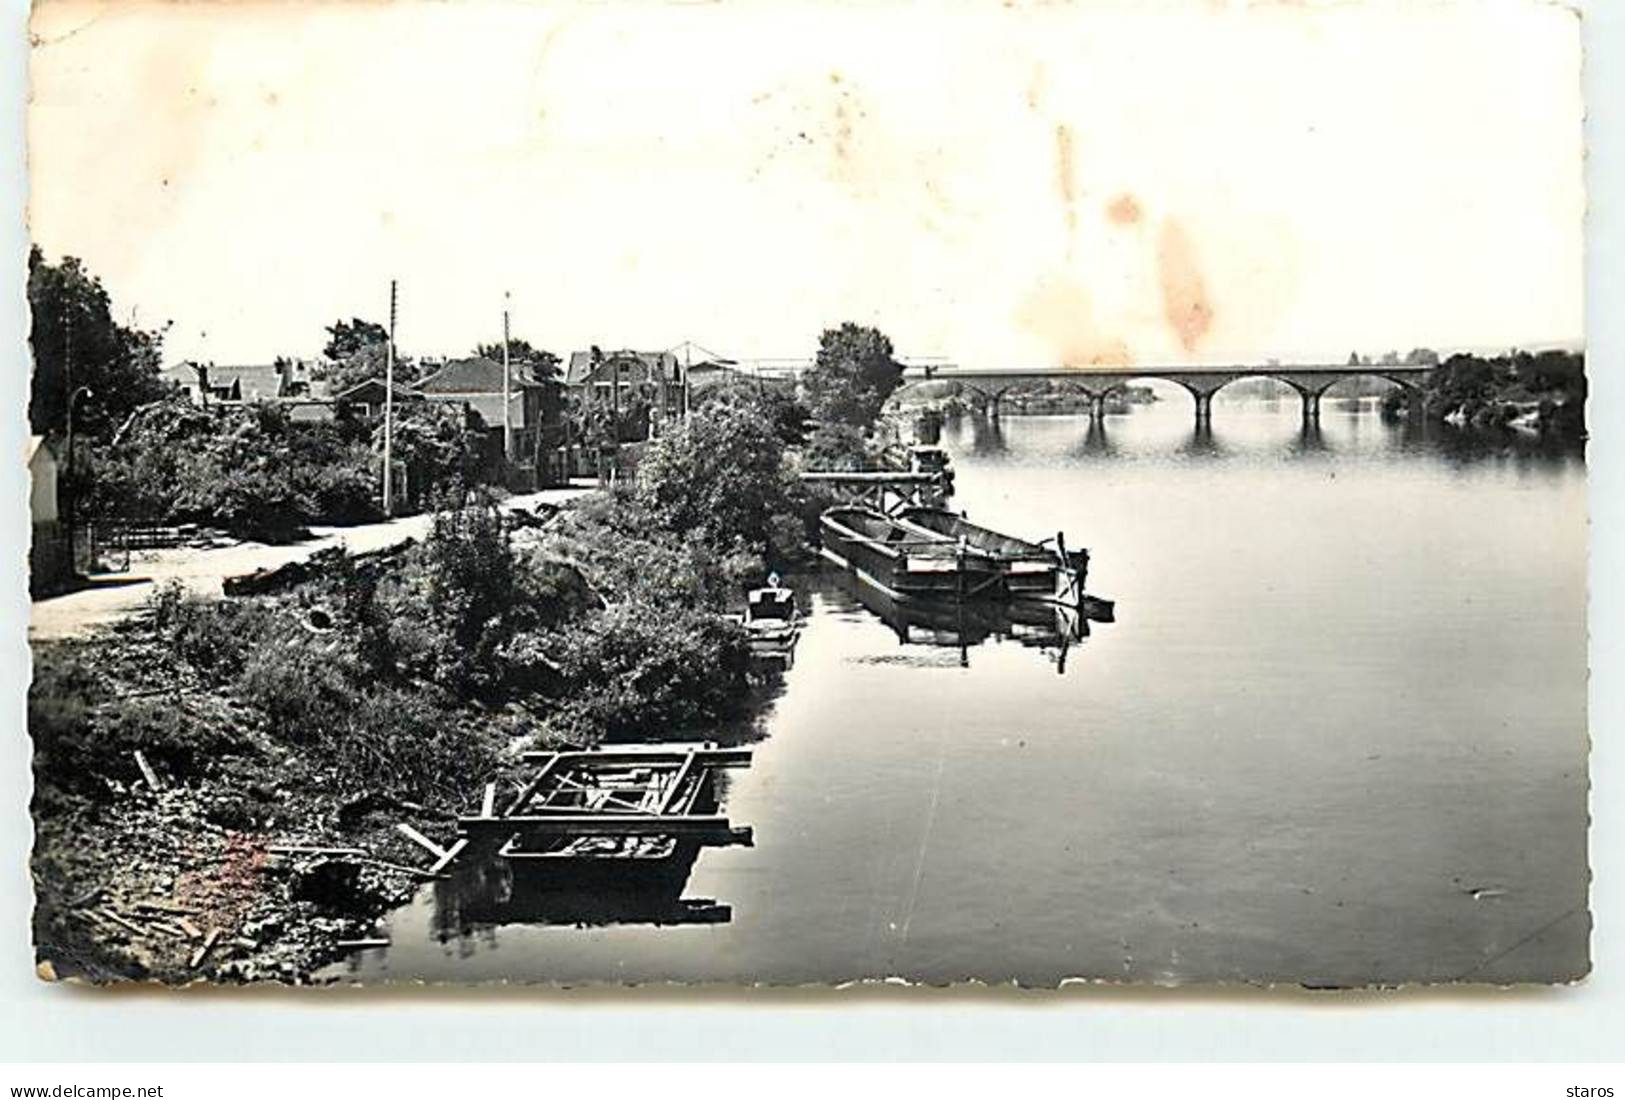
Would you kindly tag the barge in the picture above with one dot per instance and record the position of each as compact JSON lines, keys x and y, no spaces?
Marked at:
{"x":1030,"y":568}
{"x":904,"y":559}
{"x":932,"y":553}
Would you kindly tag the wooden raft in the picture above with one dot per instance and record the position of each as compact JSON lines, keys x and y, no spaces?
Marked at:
{"x":620,"y":792}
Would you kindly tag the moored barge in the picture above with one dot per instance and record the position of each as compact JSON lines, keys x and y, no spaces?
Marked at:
{"x":1029,"y":568}
{"x":904,"y":559}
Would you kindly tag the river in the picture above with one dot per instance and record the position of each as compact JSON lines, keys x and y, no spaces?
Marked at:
{"x":1336,"y":736}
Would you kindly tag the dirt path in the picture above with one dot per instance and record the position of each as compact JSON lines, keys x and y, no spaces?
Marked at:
{"x":108,"y":597}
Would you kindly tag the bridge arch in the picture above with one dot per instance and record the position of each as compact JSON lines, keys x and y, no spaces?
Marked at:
{"x":1404,"y":384}
{"x":1100,"y":392}
{"x":1307,"y":390}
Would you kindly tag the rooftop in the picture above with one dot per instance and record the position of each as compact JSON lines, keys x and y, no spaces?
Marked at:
{"x":475,"y":375}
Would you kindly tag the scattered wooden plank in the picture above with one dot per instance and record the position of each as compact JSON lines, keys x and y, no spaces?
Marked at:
{"x":401,"y":867}
{"x":246,"y":943}
{"x":357,"y":945}
{"x":204,"y":948}
{"x":313,"y":850}
{"x":87,"y":898}
{"x":191,"y":929}
{"x":451,"y":854}
{"x":488,"y":804}
{"x":165,"y":907}
{"x":416,"y":837}
{"x":146,"y":771}
{"x":121,"y":922}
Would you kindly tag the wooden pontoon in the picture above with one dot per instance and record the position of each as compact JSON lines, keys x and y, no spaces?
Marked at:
{"x":621,"y":814}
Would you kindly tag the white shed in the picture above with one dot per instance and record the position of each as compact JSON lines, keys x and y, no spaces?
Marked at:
{"x":42,"y":473}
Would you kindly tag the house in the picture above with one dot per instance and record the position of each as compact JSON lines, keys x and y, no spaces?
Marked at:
{"x":535,"y":406}
{"x":209,"y":383}
{"x":50,"y":561}
{"x":365,"y":400}
{"x":621,"y":380}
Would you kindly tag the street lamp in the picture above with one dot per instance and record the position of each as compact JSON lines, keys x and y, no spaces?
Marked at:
{"x":73,"y":475}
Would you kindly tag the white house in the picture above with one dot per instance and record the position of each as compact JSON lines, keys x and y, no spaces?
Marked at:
{"x":49,"y":559}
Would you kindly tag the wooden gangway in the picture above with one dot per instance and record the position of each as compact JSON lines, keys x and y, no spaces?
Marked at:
{"x":888,"y":491}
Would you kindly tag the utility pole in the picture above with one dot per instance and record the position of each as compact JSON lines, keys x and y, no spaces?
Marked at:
{"x":72,"y":509}
{"x":507,"y":392}
{"x":389,"y":409}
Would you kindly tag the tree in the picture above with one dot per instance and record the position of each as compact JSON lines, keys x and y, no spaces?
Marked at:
{"x":77,"y":343}
{"x":723,"y":474}
{"x":543,"y":365}
{"x":1422,"y":357}
{"x":441,"y":446}
{"x":853,"y":375}
{"x":774,"y":402}
{"x":346,"y":338}
{"x":358,"y":350}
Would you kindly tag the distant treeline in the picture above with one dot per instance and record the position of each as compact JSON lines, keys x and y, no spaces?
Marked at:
{"x":1541,"y":391}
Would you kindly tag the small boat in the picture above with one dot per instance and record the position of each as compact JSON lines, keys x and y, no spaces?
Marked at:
{"x":771,"y":619}
{"x":904,"y":559}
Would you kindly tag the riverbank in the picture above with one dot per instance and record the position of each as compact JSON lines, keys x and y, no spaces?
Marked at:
{"x":1542,"y":393}
{"x":224,"y":788}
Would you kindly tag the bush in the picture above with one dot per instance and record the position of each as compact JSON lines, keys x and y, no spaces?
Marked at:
{"x":213,"y":637}
{"x":633,"y":674}
{"x":405,"y":740}
{"x":772,"y":402}
{"x":250,"y":470}
{"x":840,"y":447}
{"x":80,"y":736}
{"x":470,"y":584}
{"x":723,"y":474}
{"x":302,"y":690}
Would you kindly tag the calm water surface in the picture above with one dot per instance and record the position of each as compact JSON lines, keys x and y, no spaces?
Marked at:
{"x":1337,"y":735}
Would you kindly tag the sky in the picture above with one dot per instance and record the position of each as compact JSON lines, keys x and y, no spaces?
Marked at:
{"x":999,"y":184}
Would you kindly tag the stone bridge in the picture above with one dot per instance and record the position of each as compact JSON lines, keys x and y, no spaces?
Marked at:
{"x":1310,"y":380}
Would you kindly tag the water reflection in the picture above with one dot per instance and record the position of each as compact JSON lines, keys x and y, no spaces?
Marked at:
{"x":489,"y":894}
{"x":1049,"y":627}
{"x":986,"y":435}
{"x":1346,"y":427}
